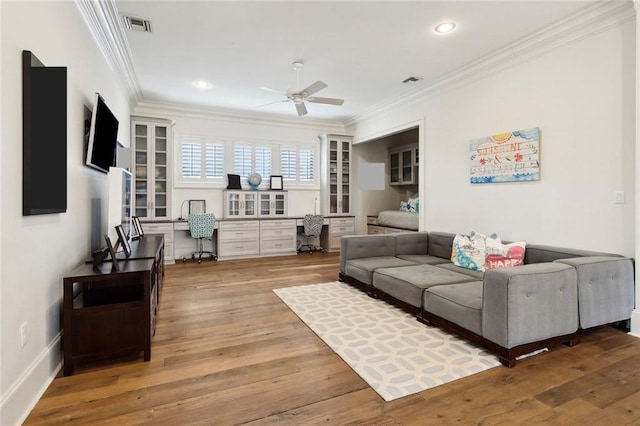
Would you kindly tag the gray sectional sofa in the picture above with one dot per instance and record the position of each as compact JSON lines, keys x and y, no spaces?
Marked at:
{"x":547,"y":301}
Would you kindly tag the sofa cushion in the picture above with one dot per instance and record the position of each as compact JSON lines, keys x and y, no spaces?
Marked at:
{"x":476,"y":275}
{"x":459,"y":303}
{"x":412,"y":243}
{"x":537,"y":253}
{"x":407,"y":283}
{"x":423,"y":259}
{"x":362,"y":269}
{"x":440,"y":244}
{"x":605,"y":289}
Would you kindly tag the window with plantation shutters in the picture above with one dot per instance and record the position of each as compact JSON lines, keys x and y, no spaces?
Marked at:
{"x":298,"y":165}
{"x":248,"y":159}
{"x":201,"y":161}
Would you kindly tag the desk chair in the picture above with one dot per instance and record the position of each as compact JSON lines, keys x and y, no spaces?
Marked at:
{"x":201,"y":226}
{"x":312,"y":225}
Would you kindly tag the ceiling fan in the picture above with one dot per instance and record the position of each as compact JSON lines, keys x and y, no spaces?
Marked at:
{"x":299,"y":97}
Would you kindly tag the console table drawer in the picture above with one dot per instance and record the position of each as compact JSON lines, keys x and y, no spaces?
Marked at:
{"x":279,"y":245}
{"x":277,"y":232}
{"x":239,"y":248}
{"x":278,"y":224}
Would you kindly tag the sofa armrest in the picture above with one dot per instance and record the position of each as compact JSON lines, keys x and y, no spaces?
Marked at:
{"x":359,"y":246}
{"x":529,"y":303}
{"x":606,"y":287}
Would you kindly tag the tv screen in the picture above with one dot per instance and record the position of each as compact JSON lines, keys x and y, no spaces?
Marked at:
{"x":44,"y":137}
{"x":103,"y":135}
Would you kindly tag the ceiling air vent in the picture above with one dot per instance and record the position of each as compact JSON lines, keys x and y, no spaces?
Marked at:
{"x":411,"y":79}
{"x":137,"y":24}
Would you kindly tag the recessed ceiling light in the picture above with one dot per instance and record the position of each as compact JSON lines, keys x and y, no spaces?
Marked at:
{"x":201,"y":84}
{"x":445,"y":27}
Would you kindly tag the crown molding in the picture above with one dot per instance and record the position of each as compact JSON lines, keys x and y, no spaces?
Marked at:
{"x":167,"y":109}
{"x":105,"y":25}
{"x":586,"y":23}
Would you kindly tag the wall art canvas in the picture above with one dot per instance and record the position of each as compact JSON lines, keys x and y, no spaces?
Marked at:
{"x":506,"y":157}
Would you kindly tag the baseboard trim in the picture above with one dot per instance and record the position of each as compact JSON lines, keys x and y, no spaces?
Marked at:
{"x":24,"y":393}
{"x":635,"y":323}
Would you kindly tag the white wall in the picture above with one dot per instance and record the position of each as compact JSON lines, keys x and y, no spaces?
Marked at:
{"x":582,"y":98}
{"x":202,"y":123}
{"x":38,"y":251}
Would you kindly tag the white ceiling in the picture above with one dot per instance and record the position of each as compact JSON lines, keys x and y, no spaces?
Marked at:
{"x":362,"y":49}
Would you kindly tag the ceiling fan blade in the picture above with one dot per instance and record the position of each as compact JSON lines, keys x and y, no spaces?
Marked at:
{"x":268,"y":89}
{"x":329,"y":101}
{"x":302,"y":110}
{"x":271,"y":103}
{"x":315,"y":87}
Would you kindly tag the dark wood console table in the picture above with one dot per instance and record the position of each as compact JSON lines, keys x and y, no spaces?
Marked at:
{"x":107,"y":313}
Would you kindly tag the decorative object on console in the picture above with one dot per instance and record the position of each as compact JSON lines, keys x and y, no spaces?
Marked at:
{"x":182,"y":209}
{"x":254,"y":180}
{"x":233,"y":181}
{"x":276,"y":182}
{"x":122,"y":240}
{"x":506,"y":157}
{"x":136,"y":223}
{"x":197,"y":206}
{"x":112,"y":253}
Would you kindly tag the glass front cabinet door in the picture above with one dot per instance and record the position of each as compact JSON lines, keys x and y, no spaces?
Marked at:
{"x":336,"y":175}
{"x":403,"y":166}
{"x":151,"y":142}
{"x":273,"y":204}
{"x":240,"y":204}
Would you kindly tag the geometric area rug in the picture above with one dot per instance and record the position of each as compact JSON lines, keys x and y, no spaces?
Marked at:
{"x":395,"y":354}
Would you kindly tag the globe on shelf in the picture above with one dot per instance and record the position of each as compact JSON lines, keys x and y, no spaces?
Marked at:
{"x":254,"y":180}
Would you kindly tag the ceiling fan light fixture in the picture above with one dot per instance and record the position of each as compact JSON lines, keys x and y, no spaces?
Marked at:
{"x":202,"y":84}
{"x":445,"y":27}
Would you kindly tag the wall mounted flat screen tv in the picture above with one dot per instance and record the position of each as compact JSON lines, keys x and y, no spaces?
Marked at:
{"x":103,"y":137}
{"x":44,"y":137}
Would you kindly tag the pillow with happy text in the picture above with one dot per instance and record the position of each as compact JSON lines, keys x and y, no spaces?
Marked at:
{"x":504,"y":255}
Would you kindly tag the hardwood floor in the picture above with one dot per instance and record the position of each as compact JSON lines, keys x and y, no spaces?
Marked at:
{"x":228,"y":351}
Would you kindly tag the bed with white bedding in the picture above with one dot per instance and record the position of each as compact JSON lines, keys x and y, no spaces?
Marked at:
{"x":398,"y":219}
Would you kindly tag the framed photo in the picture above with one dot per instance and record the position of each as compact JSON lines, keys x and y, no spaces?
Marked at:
{"x":122,"y":240}
{"x":136,"y":224}
{"x":276,"y":182}
{"x":133,"y":231}
{"x":197,"y":206}
{"x":112,"y":253}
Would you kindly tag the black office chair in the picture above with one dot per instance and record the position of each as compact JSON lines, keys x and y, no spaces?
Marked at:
{"x":201,"y":226}
{"x":312,"y":225}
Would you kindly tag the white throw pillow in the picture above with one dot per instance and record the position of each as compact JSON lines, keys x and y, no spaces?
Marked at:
{"x":504,"y":255}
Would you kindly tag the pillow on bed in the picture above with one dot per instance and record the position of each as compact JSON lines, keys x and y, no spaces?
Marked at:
{"x":412,"y":205}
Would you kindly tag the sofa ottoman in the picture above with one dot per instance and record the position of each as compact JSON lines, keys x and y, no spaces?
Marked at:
{"x":460,"y":304}
{"x":407,"y":283}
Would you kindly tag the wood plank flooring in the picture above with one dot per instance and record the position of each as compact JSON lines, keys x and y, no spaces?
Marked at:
{"x":228,"y":351}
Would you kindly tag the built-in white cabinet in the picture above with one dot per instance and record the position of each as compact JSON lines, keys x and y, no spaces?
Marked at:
{"x":165,"y":228}
{"x":403,"y":163}
{"x":240,"y":204}
{"x":238,"y":239}
{"x":278,"y":236}
{"x":338,"y":227}
{"x":151,"y":141}
{"x":248,"y":204}
{"x":336,"y":175}
{"x":272,"y":204}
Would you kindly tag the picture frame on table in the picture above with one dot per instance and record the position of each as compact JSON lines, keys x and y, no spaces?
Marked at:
{"x":135,"y":220}
{"x":122,"y":240}
{"x":133,"y":231}
{"x":112,"y":253}
{"x":197,"y":206}
{"x":275,"y":182}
